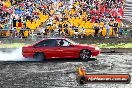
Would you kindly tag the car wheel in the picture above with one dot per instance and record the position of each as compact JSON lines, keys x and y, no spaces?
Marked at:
{"x":39,"y":56}
{"x":85,"y":54}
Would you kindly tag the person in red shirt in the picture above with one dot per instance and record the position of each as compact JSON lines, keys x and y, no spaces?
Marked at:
{"x":92,"y":12}
{"x":93,"y":19}
{"x":19,"y":23}
{"x":120,"y":10}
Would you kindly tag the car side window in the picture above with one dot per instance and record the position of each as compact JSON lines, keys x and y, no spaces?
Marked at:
{"x":66,"y":43}
{"x":63,"y":43}
{"x":48,"y":43}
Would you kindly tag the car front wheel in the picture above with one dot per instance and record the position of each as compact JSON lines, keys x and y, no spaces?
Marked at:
{"x":85,"y":54}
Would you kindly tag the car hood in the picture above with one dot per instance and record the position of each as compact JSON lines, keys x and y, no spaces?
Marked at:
{"x":88,"y":46}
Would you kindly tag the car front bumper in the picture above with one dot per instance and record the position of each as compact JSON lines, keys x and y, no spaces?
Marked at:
{"x":96,"y":52}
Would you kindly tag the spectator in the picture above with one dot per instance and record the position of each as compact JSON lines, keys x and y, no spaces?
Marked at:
{"x":96,"y":28}
{"x":121,"y":25}
{"x":115,"y":28}
{"x":6,"y":27}
{"x":107,"y":29}
{"x":125,"y":31}
{"x":14,"y":22}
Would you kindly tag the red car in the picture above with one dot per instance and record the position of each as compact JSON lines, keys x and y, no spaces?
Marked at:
{"x":51,"y":48}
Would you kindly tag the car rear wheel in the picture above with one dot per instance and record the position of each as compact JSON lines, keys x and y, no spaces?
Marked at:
{"x":39,"y":56}
{"x":85,"y":54}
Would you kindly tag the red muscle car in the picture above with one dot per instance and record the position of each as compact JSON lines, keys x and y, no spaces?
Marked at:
{"x":51,"y":48}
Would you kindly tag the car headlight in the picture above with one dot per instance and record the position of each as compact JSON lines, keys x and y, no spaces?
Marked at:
{"x":97,"y":48}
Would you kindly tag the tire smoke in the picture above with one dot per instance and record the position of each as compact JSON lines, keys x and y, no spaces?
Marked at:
{"x":14,"y":55}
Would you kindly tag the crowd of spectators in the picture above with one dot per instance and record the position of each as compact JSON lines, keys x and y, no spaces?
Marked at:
{"x":71,"y":17}
{"x":89,"y":17}
{"x":22,"y":16}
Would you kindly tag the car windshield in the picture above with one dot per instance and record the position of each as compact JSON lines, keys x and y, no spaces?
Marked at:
{"x":71,"y":41}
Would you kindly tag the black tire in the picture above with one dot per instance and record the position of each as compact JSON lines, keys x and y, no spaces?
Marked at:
{"x":39,"y":56}
{"x":85,"y":54}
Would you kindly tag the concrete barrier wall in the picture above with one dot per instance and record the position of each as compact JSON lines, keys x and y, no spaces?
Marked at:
{"x":116,"y":50}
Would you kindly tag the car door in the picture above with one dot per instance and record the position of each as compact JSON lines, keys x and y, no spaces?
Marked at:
{"x":49,"y":48}
{"x":66,"y":51}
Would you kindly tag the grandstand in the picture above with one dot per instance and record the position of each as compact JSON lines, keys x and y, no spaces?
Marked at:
{"x":128,"y":11}
{"x":21,"y":18}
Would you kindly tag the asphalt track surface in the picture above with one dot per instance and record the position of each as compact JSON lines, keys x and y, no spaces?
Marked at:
{"x":53,"y":73}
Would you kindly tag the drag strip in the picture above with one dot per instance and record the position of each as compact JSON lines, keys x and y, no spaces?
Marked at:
{"x":61,"y":73}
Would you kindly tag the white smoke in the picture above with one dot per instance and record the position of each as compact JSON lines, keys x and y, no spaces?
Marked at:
{"x":15,"y":55}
